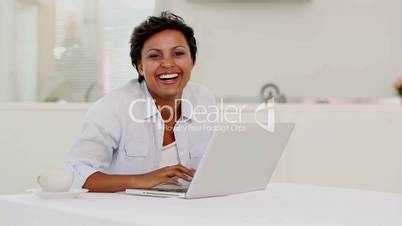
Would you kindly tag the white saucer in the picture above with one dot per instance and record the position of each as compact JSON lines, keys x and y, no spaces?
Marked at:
{"x":72,"y":194}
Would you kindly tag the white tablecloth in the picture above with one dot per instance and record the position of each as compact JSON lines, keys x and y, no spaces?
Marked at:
{"x":280,"y":204}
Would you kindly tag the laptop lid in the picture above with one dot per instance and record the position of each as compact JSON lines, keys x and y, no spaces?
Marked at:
{"x":239,"y":160}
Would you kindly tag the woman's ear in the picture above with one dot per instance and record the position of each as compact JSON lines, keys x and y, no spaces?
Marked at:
{"x":140,"y":68}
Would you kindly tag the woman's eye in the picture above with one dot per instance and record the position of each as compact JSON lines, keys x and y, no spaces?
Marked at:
{"x":179,"y":53}
{"x":152,"y":56}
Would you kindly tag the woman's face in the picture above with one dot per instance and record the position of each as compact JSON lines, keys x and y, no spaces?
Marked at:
{"x":166,"y":64}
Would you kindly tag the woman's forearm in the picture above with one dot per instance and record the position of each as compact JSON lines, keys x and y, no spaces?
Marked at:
{"x":101,"y":182}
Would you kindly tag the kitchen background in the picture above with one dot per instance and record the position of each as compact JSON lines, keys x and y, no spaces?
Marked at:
{"x":75,"y":50}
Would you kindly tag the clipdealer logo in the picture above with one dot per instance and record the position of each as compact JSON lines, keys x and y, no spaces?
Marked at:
{"x":268,"y":111}
{"x":222,"y":113}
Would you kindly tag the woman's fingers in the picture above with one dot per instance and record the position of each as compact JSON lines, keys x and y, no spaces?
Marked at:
{"x":177,"y":173}
{"x":183,"y":176}
{"x":169,"y":180}
{"x":185,"y":170}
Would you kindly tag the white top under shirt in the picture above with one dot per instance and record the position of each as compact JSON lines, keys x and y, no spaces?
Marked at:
{"x":169,"y":155}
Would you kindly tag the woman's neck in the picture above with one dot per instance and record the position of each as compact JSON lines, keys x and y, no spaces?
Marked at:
{"x":170,"y":108}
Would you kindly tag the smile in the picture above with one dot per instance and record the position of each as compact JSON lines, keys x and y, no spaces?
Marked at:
{"x":166,"y":77}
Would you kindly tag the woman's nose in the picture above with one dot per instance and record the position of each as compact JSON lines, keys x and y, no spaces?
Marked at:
{"x":167,"y":62}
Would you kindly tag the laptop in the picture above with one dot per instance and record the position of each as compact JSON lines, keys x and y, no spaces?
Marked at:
{"x":235,"y":161}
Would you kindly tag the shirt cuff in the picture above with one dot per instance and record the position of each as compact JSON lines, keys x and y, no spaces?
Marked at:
{"x":81,"y":174}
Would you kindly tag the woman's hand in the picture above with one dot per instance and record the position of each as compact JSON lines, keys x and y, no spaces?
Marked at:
{"x":164,"y":175}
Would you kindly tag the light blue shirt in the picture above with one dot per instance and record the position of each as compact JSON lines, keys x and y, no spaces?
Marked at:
{"x":123,"y":132}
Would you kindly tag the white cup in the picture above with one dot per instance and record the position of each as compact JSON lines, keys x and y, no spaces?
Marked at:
{"x":55,"y":180}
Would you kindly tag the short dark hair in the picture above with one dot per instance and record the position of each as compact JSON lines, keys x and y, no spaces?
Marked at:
{"x":153,"y":25}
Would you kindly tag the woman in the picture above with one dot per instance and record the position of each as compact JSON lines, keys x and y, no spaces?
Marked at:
{"x":142,"y":135}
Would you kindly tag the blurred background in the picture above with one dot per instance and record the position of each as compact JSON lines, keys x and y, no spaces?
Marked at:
{"x":69,"y":50}
{"x":76,"y":51}
{"x":330,"y":64}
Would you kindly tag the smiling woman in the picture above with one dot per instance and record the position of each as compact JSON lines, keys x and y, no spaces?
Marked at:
{"x":152,"y":143}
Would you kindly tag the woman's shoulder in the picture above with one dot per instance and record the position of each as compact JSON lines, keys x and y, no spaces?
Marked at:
{"x":118,"y":97}
{"x":130,"y":90}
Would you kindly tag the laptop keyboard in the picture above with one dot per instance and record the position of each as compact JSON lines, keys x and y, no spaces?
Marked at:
{"x":170,"y":188}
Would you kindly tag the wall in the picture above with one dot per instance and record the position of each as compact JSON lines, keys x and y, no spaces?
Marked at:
{"x":7,"y":45}
{"x":34,"y":138}
{"x":26,"y":61}
{"x":342,"y":48}
{"x":344,"y":146}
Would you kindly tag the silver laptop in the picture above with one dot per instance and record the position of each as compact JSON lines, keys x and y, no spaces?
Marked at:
{"x":235,"y":162}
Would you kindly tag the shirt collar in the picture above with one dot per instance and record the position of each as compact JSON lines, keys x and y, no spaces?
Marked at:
{"x":187,"y":103}
{"x":150,"y":109}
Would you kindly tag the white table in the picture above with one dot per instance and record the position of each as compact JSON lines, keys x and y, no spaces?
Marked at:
{"x":280,"y":204}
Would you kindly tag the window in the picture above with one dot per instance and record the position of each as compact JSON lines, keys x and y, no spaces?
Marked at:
{"x":69,"y":50}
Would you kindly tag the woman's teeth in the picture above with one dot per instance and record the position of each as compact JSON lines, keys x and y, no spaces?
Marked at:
{"x":168,"y":76}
